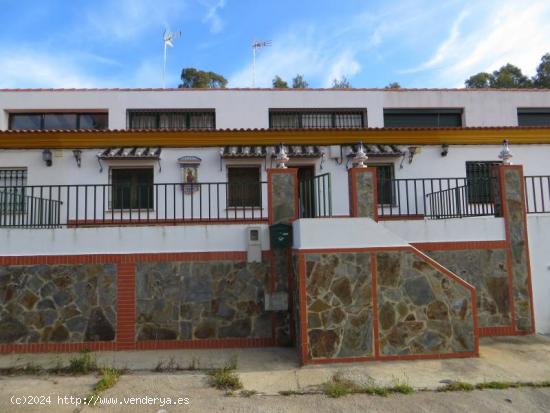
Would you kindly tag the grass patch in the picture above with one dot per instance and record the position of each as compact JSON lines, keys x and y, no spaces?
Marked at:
{"x":226,"y":378}
{"x":457,"y":386}
{"x":339,"y":387}
{"x":83,"y":364}
{"x":292,"y":393}
{"x":109,"y":377}
{"x":248,"y":393}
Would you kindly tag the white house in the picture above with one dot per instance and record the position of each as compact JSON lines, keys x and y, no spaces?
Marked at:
{"x":149,"y":171}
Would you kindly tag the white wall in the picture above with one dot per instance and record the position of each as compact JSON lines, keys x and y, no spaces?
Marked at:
{"x":249,"y":108}
{"x":448,"y":230}
{"x":331,"y":233}
{"x":128,"y":240}
{"x":539,"y":248}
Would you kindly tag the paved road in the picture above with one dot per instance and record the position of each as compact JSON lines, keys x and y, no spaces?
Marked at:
{"x":202,"y":398}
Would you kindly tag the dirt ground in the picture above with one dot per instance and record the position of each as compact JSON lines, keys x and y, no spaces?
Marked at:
{"x":203,"y":398}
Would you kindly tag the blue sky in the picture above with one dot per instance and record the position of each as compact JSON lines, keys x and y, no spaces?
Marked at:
{"x":100,"y":43}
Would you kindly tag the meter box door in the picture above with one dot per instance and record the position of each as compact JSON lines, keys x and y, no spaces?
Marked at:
{"x":280,"y":235}
{"x":254,"y":245}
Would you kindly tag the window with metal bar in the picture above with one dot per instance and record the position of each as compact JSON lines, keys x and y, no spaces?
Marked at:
{"x":322,"y":118}
{"x":244,"y":187}
{"x":12,"y":190}
{"x":422,"y":118}
{"x":534,"y":117}
{"x":479,"y":182}
{"x":132,"y":188}
{"x":171,"y":119}
{"x":57,"y":121}
{"x":385,"y":176}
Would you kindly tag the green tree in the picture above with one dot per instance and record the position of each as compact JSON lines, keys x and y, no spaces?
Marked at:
{"x":343,"y":83}
{"x":509,"y":76}
{"x":542,"y":78}
{"x":299,"y":82}
{"x":481,"y":80}
{"x":192,"y":78}
{"x":393,"y":85}
{"x":279,"y":83}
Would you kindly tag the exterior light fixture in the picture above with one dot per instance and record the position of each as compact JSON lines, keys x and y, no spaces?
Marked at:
{"x":47,"y":157}
{"x":412,"y":151}
{"x":505,"y":154}
{"x":444,"y":149}
{"x":77,"y":153}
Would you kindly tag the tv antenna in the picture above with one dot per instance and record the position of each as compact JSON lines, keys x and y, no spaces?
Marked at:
{"x":257,"y":44}
{"x":168,"y":38}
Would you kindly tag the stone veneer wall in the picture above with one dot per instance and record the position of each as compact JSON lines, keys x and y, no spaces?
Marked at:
{"x":339,"y":305}
{"x":364,"y":199}
{"x":283,"y":195}
{"x":486,"y":270}
{"x":57,"y":303}
{"x":516,"y":229}
{"x":201,"y":300}
{"x":420,"y":309}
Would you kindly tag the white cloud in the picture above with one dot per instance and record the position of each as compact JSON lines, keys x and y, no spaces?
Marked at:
{"x":27,"y":68}
{"x":124,"y":20}
{"x":515,"y":32}
{"x":212,"y":16}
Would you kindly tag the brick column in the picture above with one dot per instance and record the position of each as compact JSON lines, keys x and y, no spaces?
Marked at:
{"x":512,"y":207}
{"x":283,"y":208}
{"x":126,"y":307}
{"x":363,"y":193}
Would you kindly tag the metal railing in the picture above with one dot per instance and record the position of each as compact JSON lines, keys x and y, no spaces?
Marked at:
{"x":436,"y":198}
{"x":17,"y":209}
{"x":315,"y":197}
{"x":537,"y":194}
{"x":119,"y":204}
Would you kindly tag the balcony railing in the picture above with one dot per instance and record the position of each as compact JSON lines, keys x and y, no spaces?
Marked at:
{"x":537,"y":194}
{"x":118,"y":204}
{"x":315,"y":197}
{"x":436,"y":198}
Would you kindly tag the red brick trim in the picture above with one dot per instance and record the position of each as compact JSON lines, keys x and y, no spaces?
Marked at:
{"x":126,"y":307}
{"x":459,"y":245}
{"x":270,"y":173}
{"x":57,"y":347}
{"x":73,"y":223}
{"x":497,"y":331}
{"x":206,"y":343}
{"x":304,"y":338}
{"x":415,"y":217}
{"x":344,"y":250}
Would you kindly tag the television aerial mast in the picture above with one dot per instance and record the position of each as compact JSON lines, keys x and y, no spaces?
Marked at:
{"x":257,"y":44}
{"x":168,"y":38}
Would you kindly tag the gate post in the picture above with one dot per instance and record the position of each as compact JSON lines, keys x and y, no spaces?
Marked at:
{"x":363,"y":192}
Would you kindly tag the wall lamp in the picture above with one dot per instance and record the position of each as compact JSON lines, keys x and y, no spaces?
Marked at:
{"x":444,"y":149}
{"x":412,"y":151}
{"x":77,"y":153}
{"x":47,"y":157}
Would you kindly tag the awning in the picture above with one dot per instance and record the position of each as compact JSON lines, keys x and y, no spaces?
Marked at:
{"x":130,"y":153}
{"x":379,"y":151}
{"x":293,"y":151}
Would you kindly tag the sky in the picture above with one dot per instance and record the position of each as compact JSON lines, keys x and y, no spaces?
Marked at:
{"x":421,"y":43}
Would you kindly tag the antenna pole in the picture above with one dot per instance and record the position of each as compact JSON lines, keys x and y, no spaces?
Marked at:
{"x":253,"y":67}
{"x":164,"y":69}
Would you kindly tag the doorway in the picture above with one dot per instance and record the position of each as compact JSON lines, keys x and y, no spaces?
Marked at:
{"x":307,"y":190}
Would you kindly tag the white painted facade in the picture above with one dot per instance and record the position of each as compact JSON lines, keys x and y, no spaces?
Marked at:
{"x":236,"y":109}
{"x":249,"y":108}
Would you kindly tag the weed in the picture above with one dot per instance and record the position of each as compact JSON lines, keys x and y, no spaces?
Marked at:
{"x":226,"y":378}
{"x":338,"y":387}
{"x":457,"y":386}
{"x":291,"y":393}
{"x":83,"y":364}
{"x":109,"y":378}
{"x":400,"y":386}
{"x":248,"y":393}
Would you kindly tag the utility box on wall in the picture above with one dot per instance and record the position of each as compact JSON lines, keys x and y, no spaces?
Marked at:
{"x":254,"y":245}
{"x":280,"y":235}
